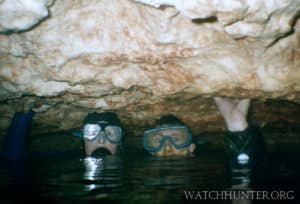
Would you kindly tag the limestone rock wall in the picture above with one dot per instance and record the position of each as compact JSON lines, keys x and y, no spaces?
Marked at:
{"x":144,"y":58}
{"x":20,"y":15}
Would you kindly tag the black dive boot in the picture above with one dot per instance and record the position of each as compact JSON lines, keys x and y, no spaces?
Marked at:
{"x":241,"y":147}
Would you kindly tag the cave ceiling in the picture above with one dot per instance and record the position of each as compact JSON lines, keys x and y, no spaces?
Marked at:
{"x":144,"y":58}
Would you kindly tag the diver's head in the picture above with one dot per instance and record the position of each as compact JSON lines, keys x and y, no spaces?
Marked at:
{"x":102,"y":131}
{"x":169,"y":138}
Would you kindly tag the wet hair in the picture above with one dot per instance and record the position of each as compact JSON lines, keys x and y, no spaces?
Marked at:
{"x":109,"y":117}
{"x":169,"y":120}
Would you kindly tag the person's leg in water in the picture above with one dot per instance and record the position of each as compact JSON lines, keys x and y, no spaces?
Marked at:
{"x":241,"y":139}
{"x":234,"y":112}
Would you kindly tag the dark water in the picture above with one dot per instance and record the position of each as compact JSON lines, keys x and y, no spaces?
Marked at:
{"x":135,"y":177}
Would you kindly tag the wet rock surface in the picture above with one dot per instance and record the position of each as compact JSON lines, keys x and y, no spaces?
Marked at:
{"x":143,"y":59}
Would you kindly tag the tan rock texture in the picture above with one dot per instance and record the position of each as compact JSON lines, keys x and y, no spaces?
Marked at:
{"x":145,"y":58}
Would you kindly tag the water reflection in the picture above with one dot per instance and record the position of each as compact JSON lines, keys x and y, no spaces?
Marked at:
{"x":167,"y":173}
{"x":102,"y":173}
{"x":240,"y":179}
{"x":135,"y":177}
{"x":93,"y":166}
{"x":240,"y":176}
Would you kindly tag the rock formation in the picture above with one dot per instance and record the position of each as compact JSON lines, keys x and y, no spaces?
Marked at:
{"x":145,"y":58}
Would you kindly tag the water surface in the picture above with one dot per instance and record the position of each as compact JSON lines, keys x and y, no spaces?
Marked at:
{"x":135,"y":177}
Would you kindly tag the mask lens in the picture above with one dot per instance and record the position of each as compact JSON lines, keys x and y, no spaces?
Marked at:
{"x":113,"y":133}
{"x":90,"y":131}
{"x":179,"y":136}
{"x":153,"y":139}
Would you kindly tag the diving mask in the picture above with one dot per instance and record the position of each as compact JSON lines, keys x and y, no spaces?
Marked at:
{"x":178,"y":136}
{"x":100,"y":130}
